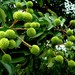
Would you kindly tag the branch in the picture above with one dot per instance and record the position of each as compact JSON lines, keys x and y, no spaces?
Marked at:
{"x":19,"y":28}
{"x":3,"y":51}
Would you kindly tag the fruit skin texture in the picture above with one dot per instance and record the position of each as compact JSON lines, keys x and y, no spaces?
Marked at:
{"x":68,"y":44}
{"x":6,"y":58}
{"x":57,"y":22}
{"x":29,"y":4}
{"x":54,"y":40}
{"x":71,"y":63}
{"x":27,"y":17}
{"x":33,"y":24}
{"x":71,"y":38}
{"x":10,"y":34}
{"x":35,"y":49}
{"x":30,"y":10}
{"x":59,"y":58}
{"x":31,"y":32}
{"x":18,"y":4}
{"x":69,"y":32}
{"x":4,"y":43}
{"x":2,"y":34}
{"x":72,"y":22}
{"x":27,"y":25}
{"x":12,"y":44}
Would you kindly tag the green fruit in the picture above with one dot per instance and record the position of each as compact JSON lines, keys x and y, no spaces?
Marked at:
{"x":18,"y":4}
{"x":57,"y":22}
{"x":60,"y":41}
{"x":37,"y":25}
{"x":31,"y":32}
{"x":68,"y":44}
{"x":10,"y":34}
{"x":71,"y":38}
{"x":69,"y":32}
{"x":29,"y":4}
{"x":72,"y":22}
{"x":40,"y":13}
{"x":2,"y":34}
{"x":27,"y":25}
{"x":4,"y":43}
{"x":59,"y":58}
{"x":12,"y":44}
{"x":71,"y":63}
{"x":30,"y":10}
{"x":18,"y":15}
{"x":6,"y":58}
{"x":35,"y":49}
{"x":54,"y":40}
{"x":27,"y":17}
{"x":33,"y":24}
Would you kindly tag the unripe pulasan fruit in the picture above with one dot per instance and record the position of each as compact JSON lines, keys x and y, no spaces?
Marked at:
{"x":72,"y":22}
{"x":27,"y":17}
{"x":18,"y":4}
{"x":29,"y":4}
{"x":71,"y":63}
{"x":6,"y":58}
{"x":27,"y":25}
{"x":31,"y":32}
{"x":59,"y":58}
{"x":37,"y":24}
{"x":35,"y":49}
{"x":10,"y":34}
{"x":71,"y":38}
{"x":30,"y":10}
{"x":4,"y":43}
{"x":57,"y":22}
{"x":68,"y":44}
{"x":2,"y":34}
{"x":54,"y":40}
{"x":33,"y":24}
{"x":69,"y":32}
{"x":12,"y":44}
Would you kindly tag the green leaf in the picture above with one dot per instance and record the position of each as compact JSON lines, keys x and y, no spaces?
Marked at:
{"x":40,"y":3}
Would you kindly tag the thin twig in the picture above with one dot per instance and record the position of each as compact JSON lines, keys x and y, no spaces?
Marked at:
{"x":3,"y":51}
{"x":19,"y":28}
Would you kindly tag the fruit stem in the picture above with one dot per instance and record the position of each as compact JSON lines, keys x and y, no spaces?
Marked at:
{"x":15,"y":21}
{"x":3,"y":51}
{"x":25,"y":43}
{"x":19,"y":28}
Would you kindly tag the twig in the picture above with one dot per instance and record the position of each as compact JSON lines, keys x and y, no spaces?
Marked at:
{"x":19,"y":28}
{"x":3,"y":51}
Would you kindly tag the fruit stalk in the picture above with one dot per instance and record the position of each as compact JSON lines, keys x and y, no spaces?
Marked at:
{"x":3,"y":51}
{"x":19,"y":28}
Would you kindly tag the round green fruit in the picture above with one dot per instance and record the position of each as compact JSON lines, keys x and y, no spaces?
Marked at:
{"x":71,"y":63}
{"x":54,"y":40}
{"x":59,"y":58}
{"x":6,"y":58}
{"x":72,"y":22}
{"x":60,"y":41}
{"x":4,"y":43}
{"x":2,"y":34}
{"x":69,"y":32}
{"x":27,"y":25}
{"x":27,"y":17}
{"x":31,"y":32}
{"x":68,"y":44}
{"x":10,"y":34}
{"x":37,"y":24}
{"x":57,"y":22}
{"x":30,"y":10}
{"x":29,"y":4}
{"x":35,"y":49}
{"x":33,"y":24}
{"x":18,"y":4}
{"x":12,"y":44}
{"x":71,"y":38}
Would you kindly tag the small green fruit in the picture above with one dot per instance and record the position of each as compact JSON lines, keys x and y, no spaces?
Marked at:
{"x":27,"y":17}
{"x":37,"y":25}
{"x":71,"y":38}
{"x":29,"y":4}
{"x":60,"y":41}
{"x":10,"y":34}
{"x":69,"y":32}
{"x":72,"y":22}
{"x":54,"y":40}
{"x":59,"y":58}
{"x":18,"y":4}
{"x":2,"y":34}
{"x":57,"y":22}
{"x":4,"y":43}
{"x":40,"y":14}
{"x":68,"y":44}
{"x":12,"y":44}
{"x":6,"y":58}
{"x":30,"y":10}
{"x":71,"y":63}
{"x":27,"y":25}
{"x":31,"y":32}
{"x":33,"y":24}
{"x":35,"y":49}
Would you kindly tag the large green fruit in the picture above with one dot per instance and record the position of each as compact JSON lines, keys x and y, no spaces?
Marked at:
{"x":4,"y":43}
{"x":27,"y":17}
{"x":71,"y":63}
{"x":10,"y":34}
{"x":12,"y":44}
{"x":31,"y":32}
{"x":18,"y":4}
{"x":35,"y":49}
{"x":29,"y":4}
{"x":69,"y":32}
{"x":2,"y":34}
{"x":72,"y":22}
{"x":6,"y":58}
